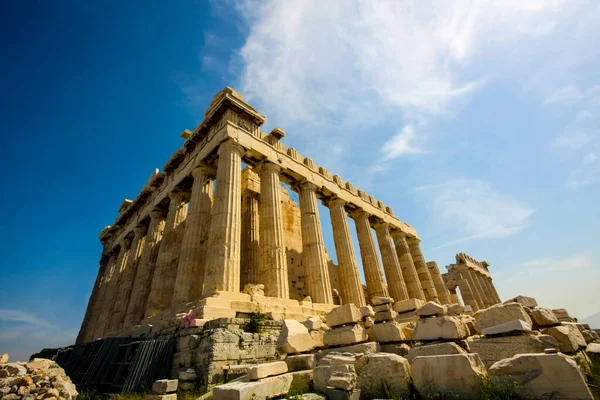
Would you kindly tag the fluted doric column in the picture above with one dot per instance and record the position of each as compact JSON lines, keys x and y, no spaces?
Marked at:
{"x":163,"y":281}
{"x":250,"y":255}
{"x":351,"y":289}
{"x":113,"y":286}
{"x":314,"y":256}
{"x":273,"y":261}
{"x":123,"y":292}
{"x":92,"y":307}
{"x":476,"y":287}
{"x":391,"y":265}
{"x":190,"y":272}
{"x":438,"y":282}
{"x":494,"y":291}
{"x":409,"y":271}
{"x":489,"y":294}
{"x":454,"y":298}
{"x":223,"y":258}
{"x":466,"y":292}
{"x":97,"y":322}
{"x":145,"y":270}
{"x":368,"y":254}
{"x":422,"y":270}
{"x":482,"y":289}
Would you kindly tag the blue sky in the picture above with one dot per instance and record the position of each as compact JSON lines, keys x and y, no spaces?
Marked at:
{"x":478,"y":123}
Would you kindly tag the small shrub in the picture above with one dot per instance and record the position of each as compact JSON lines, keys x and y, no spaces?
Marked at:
{"x":256,"y":323}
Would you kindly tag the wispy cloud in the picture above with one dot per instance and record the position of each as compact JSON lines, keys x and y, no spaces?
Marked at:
{"x":566,"y":95}
{"x":23,"y":317}
{"x":576,"y":261}
{"x":474,"y":209}
{"x":401,"y":144}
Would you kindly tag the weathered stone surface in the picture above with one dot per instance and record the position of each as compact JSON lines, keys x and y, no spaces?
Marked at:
{"x":188,"y":375}
{"x":14,"y":369}
{"x":590,"y":336}
{"x":409,"y":316}
{"x":400,"y":349}
{"x":342,"y":380}
{"x":455,"y":309}
{"x":435,"y":349}
{"x":313,"y":323}
{"x":322,"y":373}
{"x":301,"y":380}
{"x":294,"y":338}
{"x":377,"y":301}
{"x":300,"y":362}
{"x":436,"y":328}
{"x":344,"y":336}
{"x":382,"y":307}
{"x":367,"y":311}
{"x":593,"y":348}
{"x":337,"y":394}
{"x":346,"y":314}
{"x":408,"y":305}
{"x":335,"y":358}
{"x":361,"y":348}
{"x":388,"y":332}
{"x":317,"y":337}
{"x":312,"y":396}
{"x":172,"y":396}
{"x":569,"y":338}
{"x":499,"y":314}
{"x":4,"y":358}
{"x":524,"y":301}
{"x":431,"y":309}
{"x":266,"y":388}
{"x":386,"y":315}
{"x":382,"y":374}
{"x":275,"y":386}
{"x":455,"y":374}
{"x":508,"y":327}
{"x":543,"y":317}
{"x":493,"y":349}
{"x":254,"y":290}
{"x":164,"y":386}
{"x":268,"y":369}
{"x":561,"y":314}
{"x":187,"y":386}
{"x":543,"y":376}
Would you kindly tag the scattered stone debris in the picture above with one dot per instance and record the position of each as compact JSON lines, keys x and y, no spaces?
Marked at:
{"x":36,"y":380}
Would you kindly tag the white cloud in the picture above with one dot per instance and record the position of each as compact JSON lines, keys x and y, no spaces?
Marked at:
{"x":566,"y":95}
{"x":473,"y":208}
{"x":23,"y":317}
{"x":401,"y":144}
{"x":576,"y":261}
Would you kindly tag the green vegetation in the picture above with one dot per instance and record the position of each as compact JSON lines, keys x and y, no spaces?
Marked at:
{"x":256,"y":323}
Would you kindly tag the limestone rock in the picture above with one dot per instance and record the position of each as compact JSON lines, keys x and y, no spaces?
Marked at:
{"x":275,"y":386}
{"x":408,"y":305}
{"x":431,"y":309}
{"x":172,"y":396}
{"x":254,"y":290}
{"x":386,"y":315}
{"x":367,"y":311}
{"x":322,"y":373}
{"x":435,"y":349}
{"x":342,"y":380}
{"x":524,"y":301}
{"x":590,"y":336}
{"x":493,"y":349}
{"x":593,"y":348}
{"x":436,"y":328}
{"x":454,"y":374}
{"x":301,"y":380}
{"x":543,"y":376}
{"x":294,"y":338}
{"x":164,"y":386}
{"x":187,"y":386}
{"x":401,"y":349}
{"x":263,"y":389}
{"x":455,"y":309}
{"x":568,"y":337}
{"x":501,"y":313}
{"x":508,"y":327}
{"x":409,"y":316}
{"x":357,"y":349}
{"x":383,"y":307}
{"x":312,"y":396}
{"x":382,"y":374}
{"x":317,"y":337}
{"x":313,"y":323}
{"x":300,"y":362}
{"x":268,"y":369}
{"x":14,"y":369}
{"x":543,"y":317}
{"x":377,"y":301}
{"x":188,"y":375}
{"x":346,"y":314}
{"x":346,"y":335}
{"x":4,"y":358}
{"x":561,"y":314}
{"x":388,"y":332}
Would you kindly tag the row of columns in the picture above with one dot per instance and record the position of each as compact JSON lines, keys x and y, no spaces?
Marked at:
{"x":477,"y":289}
{"x":195,"y":249}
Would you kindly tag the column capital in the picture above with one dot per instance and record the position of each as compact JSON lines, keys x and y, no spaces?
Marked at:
{"x":383,"y":226}
{"x":125,"y":243}
{"x":413,"y":241}
{"x":203,"y":169}
{"x":336,"y":202}
{"x":266,"y":164}
{"x":179,"y":196}
{"x":231,"y":145}
{"x":359,"y":214}
{"x":157,"y":213}
{"x":307,"y":185}
{"x":139,"y":230}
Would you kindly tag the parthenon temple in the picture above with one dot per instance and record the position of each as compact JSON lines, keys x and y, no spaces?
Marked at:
{"x":217,"y":223}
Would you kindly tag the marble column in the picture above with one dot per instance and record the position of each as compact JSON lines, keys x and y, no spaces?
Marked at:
{"x":190,"y":271}
{"x":409,"y":272}
{"x":487,"y":297}
{"x":92,"y":307}
{"x":438,"y":282}
{"x":123,"y":292}
{"x":454,"y":298}
{"x":97,"y":321}
{"x":351,"y":289}
{"x":250,"y":254}
{"x":113,"y":285}
{"x":273,"y":261}
{"x":314,"y":256}
{"x":163,"y":281}
{"x":391,"y":265}
{"x":476,"y":287}
{"x":145,"y":270}
{"x":223,"y":258}
{"x":487,"y":281}
{"x":494,"y":291}
{"x":467,"y":293}
{"x":422,"y":270}
{"x":368,"y":254}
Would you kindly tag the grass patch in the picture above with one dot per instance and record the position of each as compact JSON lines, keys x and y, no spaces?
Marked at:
{"x":594,"y":376}
{"x":256,"y":323}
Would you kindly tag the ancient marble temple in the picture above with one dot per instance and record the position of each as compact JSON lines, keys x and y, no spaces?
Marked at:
{"x":203,"y":230}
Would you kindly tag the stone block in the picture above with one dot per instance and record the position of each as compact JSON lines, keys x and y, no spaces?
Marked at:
{"x":317,"y":337}
{"x":276,"y":386}
{"x":231,"y":296}
{"x":561,"y":314}
{"x":408,"y":305}
{"x":493,"y":349}
{"x":342,"y":380}
{"x":455,"y":309}
{"x":499,"y":314}
{"x":313,"y":323}
{"x":454,"y":375}
{"x":301,"y":380}
{"x":387,"y":315}
{"x":337,"y":394}
{"x":383,"y":307}
{"x":215,"y":302}
{"x":268,"y":369}
{"x":542,"y":376}
{"x":569,"y":338}
{"x":216,"y":312}
{"x":171,"y":396}
{"x":382,"y":374}
{"x":294,"y":338}
{"x":361,"y":348}
{"x":400,"y":349}
{"x":543,"y":317}
{"x":593,"y":349}
{"x":187,"y":386}
{"x":344,"y":336}
{"x":435,"y":349}
{"x":409,"y":316}
{"x":388,"y":332}
{"x":301,"y":362}
{"x":507,"y":327}
{"x":590,"y":336}
{"x":436,"y":328}
{"x":367,"y":311}
{"x":240,"y":391}
{"x":346,"y":314}
{"x":431,"y":309}
{"x":244,"y":306}
{"x":377,"y":301}
{"x":524,"y":301}
{"x":4,"y":358}
{"x":164,"y":386}
{"x":322,"y":373}
{"x":14,"y":369}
